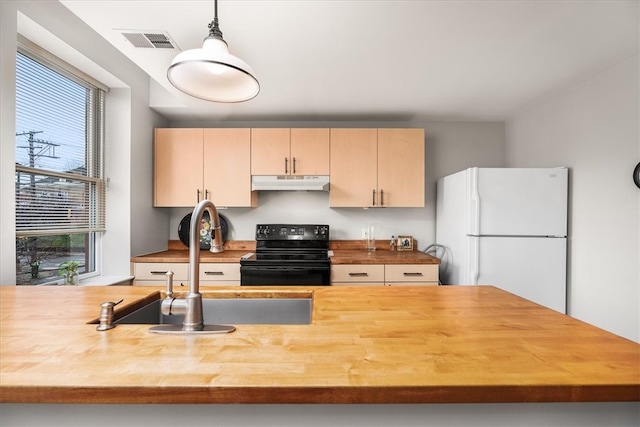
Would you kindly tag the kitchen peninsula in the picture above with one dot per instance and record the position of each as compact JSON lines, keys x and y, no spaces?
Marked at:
{"x":409,"y":344}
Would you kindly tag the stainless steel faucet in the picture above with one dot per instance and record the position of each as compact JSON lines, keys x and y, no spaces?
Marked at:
{"x":191,"y":306}
{"x":193,"y":320}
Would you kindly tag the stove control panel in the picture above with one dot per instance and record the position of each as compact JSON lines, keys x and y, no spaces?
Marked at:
{"x":292,"y":232}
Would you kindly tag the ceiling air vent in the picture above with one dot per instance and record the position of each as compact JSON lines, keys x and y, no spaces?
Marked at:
{"x":149,"y":39}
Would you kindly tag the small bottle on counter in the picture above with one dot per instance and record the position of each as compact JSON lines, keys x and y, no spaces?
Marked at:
{"x":392,"y":244}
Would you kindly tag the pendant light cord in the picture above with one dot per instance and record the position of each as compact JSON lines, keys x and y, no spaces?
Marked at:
{"x":214,"y":29}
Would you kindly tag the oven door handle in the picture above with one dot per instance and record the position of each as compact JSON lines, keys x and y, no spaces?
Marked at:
{"x":281,"y":268}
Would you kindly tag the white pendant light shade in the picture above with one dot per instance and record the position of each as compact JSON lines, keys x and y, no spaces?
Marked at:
{"x":212,"y":73}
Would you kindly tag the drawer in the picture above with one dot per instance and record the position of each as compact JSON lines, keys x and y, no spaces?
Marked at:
{"x":425,"y":273}
{"x":349,"y":273}
{"x":156,"y":271}
{"x":219,"y":272}
{"x":357,"y":283}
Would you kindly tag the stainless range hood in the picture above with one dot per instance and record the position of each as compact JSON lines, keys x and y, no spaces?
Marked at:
{"x":289,"y":183}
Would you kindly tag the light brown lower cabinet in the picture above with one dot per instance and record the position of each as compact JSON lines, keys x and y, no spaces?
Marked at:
{"x":384,"y":274}
{"x":212,"y":274}
{"x":219,"y":274}
{"x":155,"y":273}
{"x":228,"y":274}
{"x":357,"y":274}
{"x":410,"y":274}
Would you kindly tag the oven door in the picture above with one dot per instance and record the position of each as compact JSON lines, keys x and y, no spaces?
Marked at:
{"x":298,"y":275}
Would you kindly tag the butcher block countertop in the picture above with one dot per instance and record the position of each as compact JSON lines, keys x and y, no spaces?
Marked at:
{"x":182,"y":256}
{"x":177,"y":252}
{"x":342,"y":256}
{"x":427,"y":344}
{"x":344,"y":252}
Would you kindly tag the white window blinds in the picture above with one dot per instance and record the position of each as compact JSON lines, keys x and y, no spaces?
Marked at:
{"x":59,"y":180}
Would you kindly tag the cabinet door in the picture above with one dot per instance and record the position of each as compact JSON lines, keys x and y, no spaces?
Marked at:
{"x":411,"y":274}
{"x":270,"y":152}
{"x":353,"y":166}
{"x":401,"y":167}
{"x":219,"y":274}
{"x":227,"y":167}
{"x":178,"y":167}
{"x":154,"y":273}
{"x":365,"y":274}
{"x":309,"y":152}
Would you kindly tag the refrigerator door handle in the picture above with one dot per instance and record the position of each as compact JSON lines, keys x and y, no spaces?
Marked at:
{"x":474,"y":260}
{"x":474,"y":202}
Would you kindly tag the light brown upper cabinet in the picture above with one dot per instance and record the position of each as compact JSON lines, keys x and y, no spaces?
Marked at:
{"x":354,"y":167}
{"x":401,"y":167}
{"x":284,"y":151}
{"x":193,"y":164}
{"x":227,"y":167}
{"x":377,"y":168}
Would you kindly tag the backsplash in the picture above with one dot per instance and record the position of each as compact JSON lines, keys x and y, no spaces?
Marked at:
{"x":307,"y":207}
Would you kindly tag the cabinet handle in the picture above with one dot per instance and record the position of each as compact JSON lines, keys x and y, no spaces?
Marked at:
{"x":412,"y":274}
{"x":214,"y":273}
{"x":206,"y":194}
{"x":294,"y":165}
{"x":381,"y":197}
{"x":373,"y":201}
{"x":286,"y":165}
{"x":159,"y":272}
{"x":359,"y":274}
{"x":198,"y":195}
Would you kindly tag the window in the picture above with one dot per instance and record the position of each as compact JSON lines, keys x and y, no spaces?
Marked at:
{"x":60,"y":187}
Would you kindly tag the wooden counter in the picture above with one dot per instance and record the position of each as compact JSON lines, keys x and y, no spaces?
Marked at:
{"x":343,"y":256}
{"x":182,"y":256}
{"x":365,"y":345}
{"x":177,"y":252}
{"x":344,"y":252}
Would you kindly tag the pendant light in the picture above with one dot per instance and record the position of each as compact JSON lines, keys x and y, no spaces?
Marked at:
{"x":211,"y":72}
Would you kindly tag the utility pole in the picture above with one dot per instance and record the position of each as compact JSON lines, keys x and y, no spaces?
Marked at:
{"x":47,"y":149}
{"x":37,"y":148}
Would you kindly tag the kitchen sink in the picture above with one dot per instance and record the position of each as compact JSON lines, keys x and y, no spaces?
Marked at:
{"x":231,"y":311}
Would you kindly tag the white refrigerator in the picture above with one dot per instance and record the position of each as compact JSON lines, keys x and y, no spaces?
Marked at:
{"x":506,"y":227}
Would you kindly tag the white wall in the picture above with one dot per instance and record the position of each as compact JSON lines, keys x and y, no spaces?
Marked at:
{"x":593,"y":128}
{"x":450,"y":147}
{"x":8,"y":46}
{"x":133,"y":225}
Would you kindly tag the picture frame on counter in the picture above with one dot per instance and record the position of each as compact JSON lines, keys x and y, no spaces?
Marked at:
{"x":404,"y":243}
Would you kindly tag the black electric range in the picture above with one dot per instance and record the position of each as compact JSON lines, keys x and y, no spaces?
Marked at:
{"x":288,"y":254}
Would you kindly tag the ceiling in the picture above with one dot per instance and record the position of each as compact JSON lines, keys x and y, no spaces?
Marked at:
{"x":378,"y":60}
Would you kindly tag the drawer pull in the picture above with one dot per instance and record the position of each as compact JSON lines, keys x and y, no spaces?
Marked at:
{"x":159,"y":272}
{"x":214,"y":273}
{"x":412,"y":274}
{"x":358,"y":274}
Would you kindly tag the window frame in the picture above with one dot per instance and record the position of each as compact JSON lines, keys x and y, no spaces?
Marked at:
{"x":95,"y":163}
